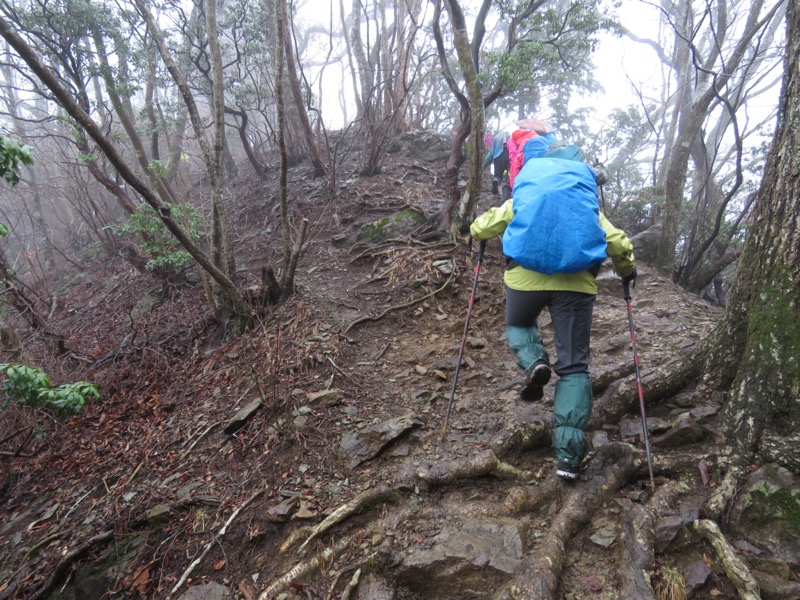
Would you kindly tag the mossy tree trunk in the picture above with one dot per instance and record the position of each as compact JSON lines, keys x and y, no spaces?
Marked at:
{"x":458,"y":208}
{"x":757,"y":344}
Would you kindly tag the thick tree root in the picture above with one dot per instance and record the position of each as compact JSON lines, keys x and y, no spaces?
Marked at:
{"x":735,"y":569}
{"x":66,"y":562}
{"x":718,"y":502}
{"x":358,"y":503}
{"x":526,"y":436}
{"x":481,"y":465}
{"x":637,"y":550}
{"x":637,"y":554}
{"x":305,"y":570}
{"x":538,"y":575}
{"x":601,"y":382}
{"x":663,"y":382}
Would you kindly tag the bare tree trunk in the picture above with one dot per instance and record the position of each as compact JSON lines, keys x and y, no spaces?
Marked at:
{"x":291,"y":253}
{"x":126,"y":117}
{"x":757,"y":344}
{"x":297,"y":93}
{"x":223,"y":249}
{"x":709,"y":86}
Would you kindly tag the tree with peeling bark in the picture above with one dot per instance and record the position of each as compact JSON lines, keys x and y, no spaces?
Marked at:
{"x":386,"y":57}
{"x":312,"y":148}
{"x":221,"y":248}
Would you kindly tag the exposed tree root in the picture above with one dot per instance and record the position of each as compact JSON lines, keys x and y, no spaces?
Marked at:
{"x":735,"y":569}
{"x":482,"y":464}
{"x":214,"y":540}
{"x":521,"y":500}
{"x":70,"y":558}
{"x":637,"y":554}
{"x":538,"y":575}
{"x":404,"y":305}
{"x":637,"y":550}
{"x":526,"y":436}
{"x":718,"y":502}
{"x":363,"y":500}
{"x":351,"y":585}
{"x":602,"y":381}
{"x":357,"y":567}
{"x":305,"y":569}
{"x":659,"y":384}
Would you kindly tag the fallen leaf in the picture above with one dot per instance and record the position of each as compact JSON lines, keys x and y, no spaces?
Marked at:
{"x":142,"y":582}
{"x":219,"y":564}
{"x":245,"y":591}
{"x":305,"y":511}
{"x":715,"y":592}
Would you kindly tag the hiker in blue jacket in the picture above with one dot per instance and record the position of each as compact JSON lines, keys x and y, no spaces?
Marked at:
{"x":497,"y":157}
{"x":554,"y":240}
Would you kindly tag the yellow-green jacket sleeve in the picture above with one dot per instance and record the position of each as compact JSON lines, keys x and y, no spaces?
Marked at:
{"x":619,"y":249}
{"x":493,"y":222}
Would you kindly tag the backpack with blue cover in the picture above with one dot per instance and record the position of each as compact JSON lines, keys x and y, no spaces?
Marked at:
{"x":556,"y":224}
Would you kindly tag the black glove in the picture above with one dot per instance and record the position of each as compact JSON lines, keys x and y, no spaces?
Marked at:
{"x":630,"y":279}
{"x":600,"y":175}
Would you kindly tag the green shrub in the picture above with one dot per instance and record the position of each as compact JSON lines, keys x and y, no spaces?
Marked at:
{"x":162,"y":247}
{"x":31,"y":386}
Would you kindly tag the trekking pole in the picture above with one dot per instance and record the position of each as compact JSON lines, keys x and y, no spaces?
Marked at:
{"x":481,"y":249}
{"x":626,"y":286}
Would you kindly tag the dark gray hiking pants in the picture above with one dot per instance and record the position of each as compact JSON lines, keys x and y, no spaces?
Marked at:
{"x":571,"y":313}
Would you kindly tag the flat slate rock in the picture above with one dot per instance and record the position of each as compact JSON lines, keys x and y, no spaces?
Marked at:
{"x":244,"y":415}
{"x":356,"y":448}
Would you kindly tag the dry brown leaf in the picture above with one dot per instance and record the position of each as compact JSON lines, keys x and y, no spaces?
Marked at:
{"x":220,"y":563}
{"x":245,"y":591}
{"x":142,"y":582}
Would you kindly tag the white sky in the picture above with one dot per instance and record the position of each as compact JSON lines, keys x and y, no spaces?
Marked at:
{"x":617,"y":59}
{"x":621,"y":63}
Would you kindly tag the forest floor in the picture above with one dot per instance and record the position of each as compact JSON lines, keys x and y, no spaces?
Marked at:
{"x":341,"y":484}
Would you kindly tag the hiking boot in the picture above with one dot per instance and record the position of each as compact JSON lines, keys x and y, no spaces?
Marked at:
{"x":537,"y":377}
{"x":567,"y":471}
{"x":495,"y":187}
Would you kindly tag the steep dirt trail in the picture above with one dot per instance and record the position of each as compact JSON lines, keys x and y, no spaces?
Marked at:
{"x":343,"y":469}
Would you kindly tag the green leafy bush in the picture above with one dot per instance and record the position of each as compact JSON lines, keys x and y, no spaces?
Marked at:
{"x":31,"y":386}
{"x":12,"y":155}
{"x":157,"y":241}
{"x":69,"y":397}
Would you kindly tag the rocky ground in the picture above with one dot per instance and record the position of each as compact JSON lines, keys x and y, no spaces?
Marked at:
{"x":306,"y":458}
